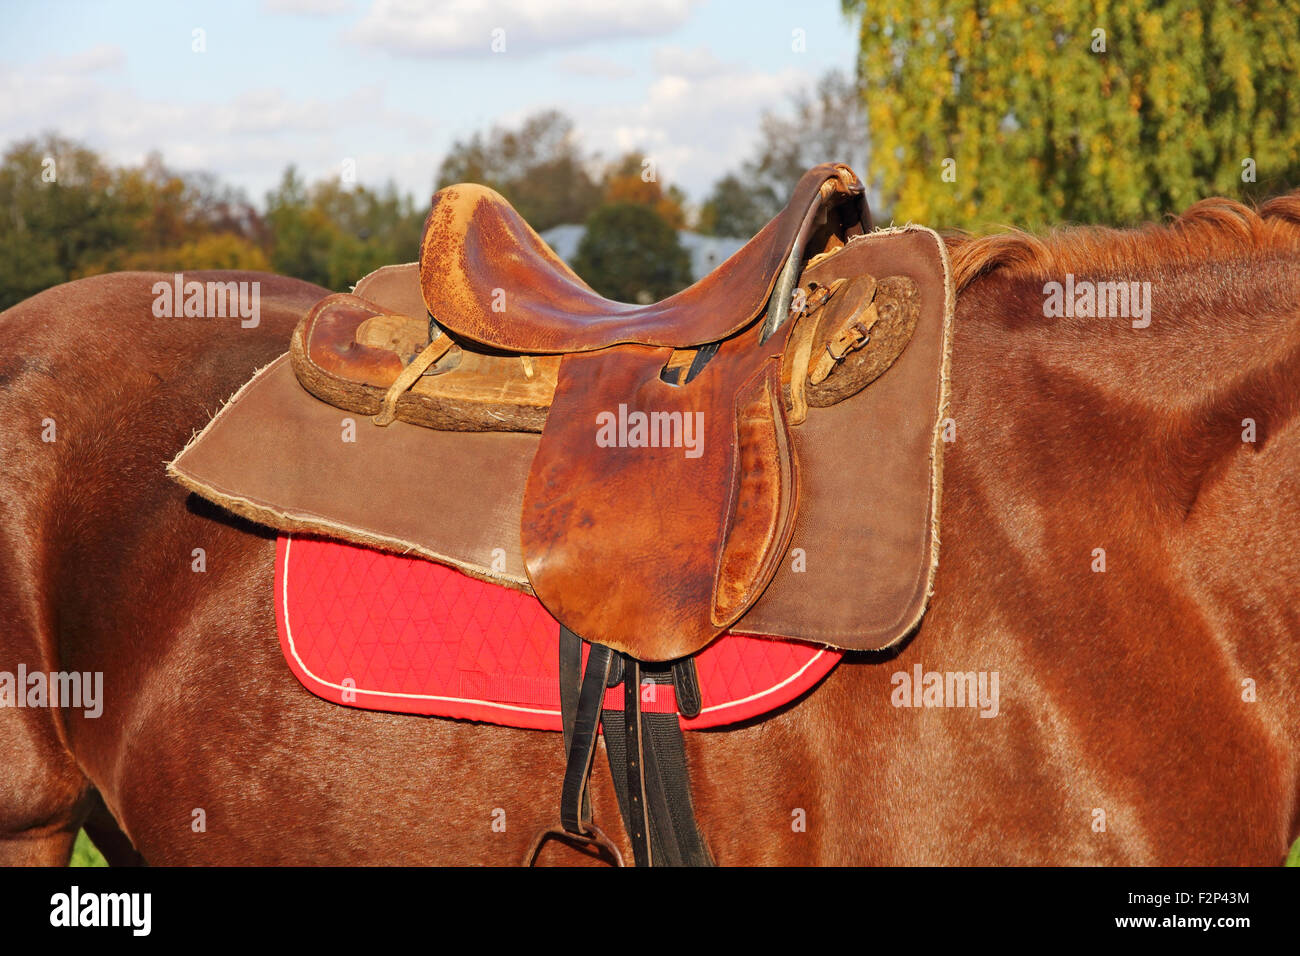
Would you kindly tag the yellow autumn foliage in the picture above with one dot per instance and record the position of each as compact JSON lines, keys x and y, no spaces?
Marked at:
{"x":1110,"y":112}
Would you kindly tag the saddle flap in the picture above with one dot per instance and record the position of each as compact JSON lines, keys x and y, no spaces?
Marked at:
{"x":654,"y":514}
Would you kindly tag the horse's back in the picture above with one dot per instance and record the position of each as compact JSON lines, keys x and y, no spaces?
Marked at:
{"x":97,"y":392}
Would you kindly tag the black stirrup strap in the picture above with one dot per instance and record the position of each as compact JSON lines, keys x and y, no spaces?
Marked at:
{"x":575,"y":807}
{"x":647,"y":756}
{"x":580,"y":704}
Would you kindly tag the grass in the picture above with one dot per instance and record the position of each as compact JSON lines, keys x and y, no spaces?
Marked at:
{"x":84,"y":852}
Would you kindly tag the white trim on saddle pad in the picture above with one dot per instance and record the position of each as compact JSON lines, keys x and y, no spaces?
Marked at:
{"x":784,"y":686}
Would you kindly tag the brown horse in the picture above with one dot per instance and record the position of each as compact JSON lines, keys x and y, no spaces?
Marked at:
{"x":1119,"y":544}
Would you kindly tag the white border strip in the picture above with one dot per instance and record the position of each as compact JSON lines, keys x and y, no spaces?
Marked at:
{"x":293,"y":648}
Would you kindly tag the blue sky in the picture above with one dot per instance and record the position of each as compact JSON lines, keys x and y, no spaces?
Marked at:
{"x":391,"y":84}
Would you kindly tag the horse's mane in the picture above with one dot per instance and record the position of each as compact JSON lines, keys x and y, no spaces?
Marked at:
{"x":1212,"y":228}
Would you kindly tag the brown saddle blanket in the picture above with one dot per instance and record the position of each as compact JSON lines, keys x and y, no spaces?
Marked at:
{"x":862,"y":549}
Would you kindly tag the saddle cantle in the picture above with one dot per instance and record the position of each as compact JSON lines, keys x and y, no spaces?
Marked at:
{"x":760,"y":452}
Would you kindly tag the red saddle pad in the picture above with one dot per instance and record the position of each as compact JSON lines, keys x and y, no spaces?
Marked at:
{"x":383,"y":632}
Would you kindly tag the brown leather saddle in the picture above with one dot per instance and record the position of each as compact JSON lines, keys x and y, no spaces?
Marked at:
{"x":665,"y":427}
{"x":695,"y":456}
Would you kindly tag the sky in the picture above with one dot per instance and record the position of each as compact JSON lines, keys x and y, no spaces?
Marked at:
{"x":390,"y":85}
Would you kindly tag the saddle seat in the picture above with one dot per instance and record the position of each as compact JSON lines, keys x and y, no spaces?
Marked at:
{"x":480,"y":348}
{"x":487,"y":276}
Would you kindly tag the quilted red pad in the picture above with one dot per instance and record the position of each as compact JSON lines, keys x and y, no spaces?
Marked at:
{"x":385,"y":632}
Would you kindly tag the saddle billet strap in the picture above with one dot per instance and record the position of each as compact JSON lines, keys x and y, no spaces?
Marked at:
{"x":686,"y":683}
{"x":647,"y":759}
{"x":635,"y":813}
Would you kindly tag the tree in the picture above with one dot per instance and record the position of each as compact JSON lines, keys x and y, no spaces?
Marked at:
{"x":67,"y":214}
{"x":177,"y":222}
{"x":333,"y":235}
{"x":369,"y":229}
{"x":825,"y":125}
{"x":58,"y":205}
{"x":736,"y":208}
{"x":828,"y":125}
{"x":630,"y":253}
{"x":216,"y":251}
{"x":215,"y":207}
{"x":982,"y":114}
{"x":301,"y":235}
{"x":630,"y":179}
{"x":539,"y":168}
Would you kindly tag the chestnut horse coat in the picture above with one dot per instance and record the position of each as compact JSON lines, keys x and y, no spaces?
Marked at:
{"x":1119,"y":544}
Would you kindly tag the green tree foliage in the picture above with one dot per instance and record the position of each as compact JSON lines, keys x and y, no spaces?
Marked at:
{"x":332,"y":235}
{"x":66,"y":214}
{"x":629,"y":179}
{"x":60,"y":204}
{"x":736,"y":208}
{"x":632,"y":254}
{"x":1043,"y":125}
{"x":217,"y":251}
{"x":539,"y":168}
{"x":301,"y":235}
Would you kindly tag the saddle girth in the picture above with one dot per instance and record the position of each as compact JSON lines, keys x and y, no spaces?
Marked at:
{"x":646,"y":753}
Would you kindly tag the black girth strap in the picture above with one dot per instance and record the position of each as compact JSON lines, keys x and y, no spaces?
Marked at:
{"x":647,"y":756}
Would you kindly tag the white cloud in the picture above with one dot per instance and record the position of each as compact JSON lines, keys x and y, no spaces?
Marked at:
{"x":679,"y":61}
{"x":99,"y":59}
{"x":589,"y":64}
{"x":313,"y":8}
{"x":696,"y":117}
{"x":696,"y":126}
{"x":465,"y":27}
